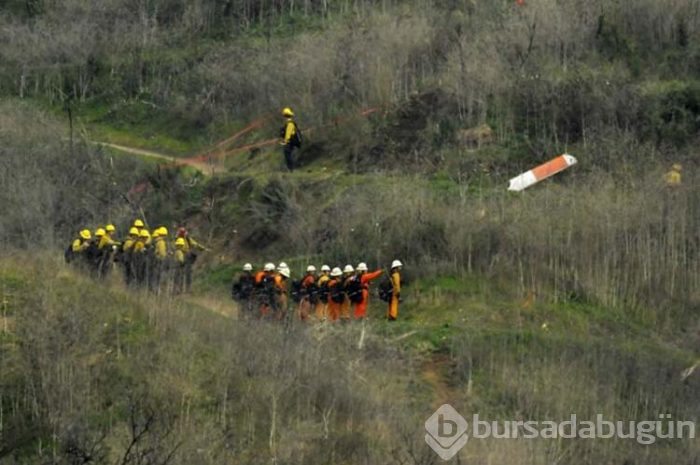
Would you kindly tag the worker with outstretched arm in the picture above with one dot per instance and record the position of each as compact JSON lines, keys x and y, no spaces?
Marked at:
{"x":364,"y":278}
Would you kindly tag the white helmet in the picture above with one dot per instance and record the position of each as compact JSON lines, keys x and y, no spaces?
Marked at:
{"x":396,"y":264}
{"x":247,"y":267}
{"x":336,"y":272}
{"x":348,"y":269}
{"x":326,"y":268}
{"x":310,"y":269}
{"x":269,"y":267}
{"x":282,"y":265}
{"x":362,"y":267}
{"x":285,"y":272}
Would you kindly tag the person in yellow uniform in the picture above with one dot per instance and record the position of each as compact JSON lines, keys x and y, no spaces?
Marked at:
{"x":191,"y":248}
{"x":81,"y":244}
{"x":94,"y":254}
{"x":106,"y":248}
{"x":393,"y":311}
{"x":160,"y":257}
{"x":673,"y":178}
{"x":291,"y":137}
{"x":126,"y":257}
{"x":78,"y":250}
{"x":138,"y":224}
{"x":180,"y":262}
{"x":139,"y":257}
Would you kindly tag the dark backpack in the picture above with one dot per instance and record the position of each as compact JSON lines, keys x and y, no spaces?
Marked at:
{"x":322,"y":292}
{"x":337,"y":292}
{"x":68,"y":253}
{"x":385,"y":290}
{"x":296,"y":292}
{"x":353,"y":288}
{"x":296,"y":139}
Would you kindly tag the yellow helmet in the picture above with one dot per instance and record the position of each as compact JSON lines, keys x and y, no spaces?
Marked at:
{"x":155,"y":233}
{"x":100,"y":232}
{"x":134,"y":231}
{"x":145,"y":234}
{"x":287,"y":112}
{"x":85,"y":234}
{"x":677,"y":166}
{"x":138,"y":223}
{"x":163,"y":231}
{"x":110,"y":228}
{"x":180,"y":242}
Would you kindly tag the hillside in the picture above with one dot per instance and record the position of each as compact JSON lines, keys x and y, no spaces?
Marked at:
{"x":579,"y":295}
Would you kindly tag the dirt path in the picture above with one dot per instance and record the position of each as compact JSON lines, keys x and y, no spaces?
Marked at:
{"x":433,"y":374}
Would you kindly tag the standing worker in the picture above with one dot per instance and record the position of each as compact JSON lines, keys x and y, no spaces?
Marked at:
{"x":322,"y":293}
{"x":160,"y":254}
{"x":346,"y":283}
{"x":291,"y":138}
{"x":180,"y":263}
{"x":308,"y":293}
{"x":140,"y":257}
{"x":191,"y":248}
{"x":393,"y":311}
{"x":264,"y":289}
{"x":79,"y":248}
{"x":138,"y":224}
{"x":242,"y":289}
{"x":364,"y":278}
{"x":127,"y":256}
{"x":106,"y":247}
{"x":335,"y":294}
{"x":281,"y":301}
{"x":673,"y":177}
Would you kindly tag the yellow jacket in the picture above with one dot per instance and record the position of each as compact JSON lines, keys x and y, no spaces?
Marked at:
{"x":322,"y":280}
{"x":128,"y":245}
{"x":79,"y":245}
{"x":139,"y":247}
{"x":192,"y":244}
{"x":673,"y":178}
{"x":105,"y":241}
{"x":396,"y":282}
{"x":290,"y":129}
{"x":180,"y":255}
{"x":161,"y":248}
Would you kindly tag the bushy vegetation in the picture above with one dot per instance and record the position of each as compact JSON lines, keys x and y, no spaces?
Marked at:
{"x":92,"y":374}
{"x":606,"y":254}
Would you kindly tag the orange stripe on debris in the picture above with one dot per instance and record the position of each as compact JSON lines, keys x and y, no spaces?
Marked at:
{"x":551,"y":167}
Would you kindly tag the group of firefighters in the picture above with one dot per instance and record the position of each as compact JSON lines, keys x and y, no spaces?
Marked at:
{"x":147,"y":258}
{"x":332,"y":295}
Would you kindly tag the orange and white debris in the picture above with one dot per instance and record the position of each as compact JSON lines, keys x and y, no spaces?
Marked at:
{"x":541,"y":172}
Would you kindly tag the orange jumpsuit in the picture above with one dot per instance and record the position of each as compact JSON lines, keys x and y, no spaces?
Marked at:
{"x":260,"y":293}
{"x":361,"y":307}
{"x":305,"y":306}
{"x":280,"y":296}
{"x":345,"y":305}
{"x":321,"y":307}
{"x":333,"y":307}
{"x":392,"y":312}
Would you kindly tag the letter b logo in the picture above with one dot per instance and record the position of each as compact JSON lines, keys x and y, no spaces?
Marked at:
{"x":446,"y":432}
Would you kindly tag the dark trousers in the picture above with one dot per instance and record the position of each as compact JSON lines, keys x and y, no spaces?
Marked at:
{"x":289,"y":156}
